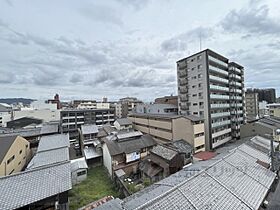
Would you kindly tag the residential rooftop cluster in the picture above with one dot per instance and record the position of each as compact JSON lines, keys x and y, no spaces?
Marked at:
{"x":213,"y":146}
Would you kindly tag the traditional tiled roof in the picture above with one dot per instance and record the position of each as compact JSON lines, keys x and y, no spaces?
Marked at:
{"x":164,"y":152}
{"x":27,"y":187}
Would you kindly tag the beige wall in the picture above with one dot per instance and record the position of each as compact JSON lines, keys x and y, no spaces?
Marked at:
{"x":164,"y":124}
{"x":171,"y":129}
{"x":274,"y":112}
{"x":20,"y":159}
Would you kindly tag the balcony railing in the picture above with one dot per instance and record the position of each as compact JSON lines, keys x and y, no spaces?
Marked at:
{"x":216,"y":87}
{"x":183,"y":81}
{"x":218,"y":79}
{"x":221,"y":123}
{"x":217,"y":70}
{"x":219,"y":106}
{"x":218,"y":61}
{"x":221,"y":114}
{"x":216,"y":96}
{"x":236,"y":98}
{"x":183,"y":90}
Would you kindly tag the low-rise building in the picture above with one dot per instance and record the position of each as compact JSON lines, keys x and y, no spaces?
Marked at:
{"x":14,"y":154}
{"x":156,"y":108}
{"x":266,"y":126}
{"x":166,"y":128}
{"x":123,"y":124}
{"x":239,"y":177}
{"x":79,"y":169}
{"x":125,"y":106}
{"x":124,"y":150}
{"x":274,"y":109}
{"x":167,"y":100}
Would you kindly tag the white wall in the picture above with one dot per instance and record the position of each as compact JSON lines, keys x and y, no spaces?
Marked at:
{"x":107,"y":160}
{"x":45,"y":115}
{"x":39,"y":105}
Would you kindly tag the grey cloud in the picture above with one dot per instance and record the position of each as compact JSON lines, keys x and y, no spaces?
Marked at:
{"x":102,"y":13}
{"x":252,"y":19}
{"x":180,"y":42}
{"x":47,"y":77}
{"x":76,"y":78}
{"x":135,"y":4}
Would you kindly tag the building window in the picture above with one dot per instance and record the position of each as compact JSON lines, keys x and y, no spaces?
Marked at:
{"x":12,"y":171}
{"x":26,"y":146}
{"x":80,"y":173}
{"x":19,"y":163}
{"x":11,"y":159}
{"x":20,"y":151}
{"x":199,"y":76}
{"x":198,"y":57}
{"x":199,"y":67}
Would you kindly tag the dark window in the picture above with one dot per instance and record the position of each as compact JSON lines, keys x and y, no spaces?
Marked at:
{"x":80,"y":173}
{"x":12,"y":171}
{"x":20,"y":151}
{"x":11,"y":159}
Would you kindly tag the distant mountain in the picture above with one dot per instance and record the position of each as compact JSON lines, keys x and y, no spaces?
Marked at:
{"x":25,"y":101}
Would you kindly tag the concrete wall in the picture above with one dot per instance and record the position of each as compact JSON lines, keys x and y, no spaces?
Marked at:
{"x":252,"y":129}
{"x":107,"y":160}
{"x":21,"y":150}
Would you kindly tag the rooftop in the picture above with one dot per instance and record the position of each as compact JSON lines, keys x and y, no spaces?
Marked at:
{"x":204,"y":155}
{"x":167,"y":116}
{"x":88,"y":129}
{"x":135,"y":144}
{"x":49,"y":128}
{"x":53,"y":142}
{"x":164,"y":152}
{"x":6,"y":142}
{"x":231,"y":180}
{"x":27,"y":187}
{"x":124,"y":121}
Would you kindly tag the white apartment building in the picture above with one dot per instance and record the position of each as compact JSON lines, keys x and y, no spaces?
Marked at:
{"x":211,"y":87}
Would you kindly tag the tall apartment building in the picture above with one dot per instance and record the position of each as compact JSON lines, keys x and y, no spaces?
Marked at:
{"x":252,"y":105}
{"x":211,"y":87}
{"x":266,"y":94}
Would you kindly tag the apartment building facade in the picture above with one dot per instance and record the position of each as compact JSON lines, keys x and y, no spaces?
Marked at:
{"x":167,"y":128}
{"x":252,"y":105}
{"x":212,"y":88}
{"x":72,"y":119}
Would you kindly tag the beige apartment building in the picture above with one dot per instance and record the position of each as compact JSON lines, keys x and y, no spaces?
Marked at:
{"x":14,"y":154}
{"x":165,"y":128}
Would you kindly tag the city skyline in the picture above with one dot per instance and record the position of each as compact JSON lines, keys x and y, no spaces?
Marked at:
{"x":129,"y":48}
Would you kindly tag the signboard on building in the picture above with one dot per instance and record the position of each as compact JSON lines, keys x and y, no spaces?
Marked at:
{"x":132,"y":156}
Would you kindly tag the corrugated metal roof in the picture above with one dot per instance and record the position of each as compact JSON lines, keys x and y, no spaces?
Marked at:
{"x":79,"y":163}
{"x":27,"y":187}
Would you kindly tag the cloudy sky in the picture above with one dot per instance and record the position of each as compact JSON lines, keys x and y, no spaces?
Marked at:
{"x":116,"y":48}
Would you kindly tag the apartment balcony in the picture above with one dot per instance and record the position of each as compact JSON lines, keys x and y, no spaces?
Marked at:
{"x":223,"y":141}
{"x":235,"y":83}
{"x":218,"y":79}
{"x":237,"y":112}
{"x":219,"y":133}
{"x":183,"y":81}
{"x":217,"y":61}
{"x":234,"y":90}
{"x":183,"y":98}
{"x":236,"y":105}
{"x":235,"y":70}
{"x":217,"y":70}
{"x":219,"y":106}
{"x":239,"y":119}
{"x":220,"y":114}
{"x":182,"y":65}
{"x":234,"y":76}
{"x":221,"y":123}
{"x":184,"y":107}
{"x":236,"y":97}
{"x":220,"y":97}
{"x":183,"y":90}
{"x":220,"y":88}
{"x":182,"y":73}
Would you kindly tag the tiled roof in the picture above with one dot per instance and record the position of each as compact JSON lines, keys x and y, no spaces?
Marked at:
{"x":49,"y":157}
{"x":53,"y":142}
{"x":233,"y":180}
{"x":49,"y":128}
{"x":88,"y":129}
{"x":79,"y":163}
{"x":164,"y":152}
{"x":124,"y":121}
{"x":27,"y":187}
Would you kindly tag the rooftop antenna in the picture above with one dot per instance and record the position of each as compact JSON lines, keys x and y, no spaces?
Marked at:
{"x":199,"y":40}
